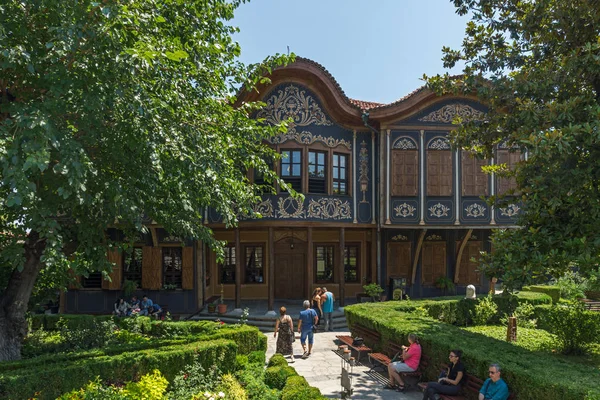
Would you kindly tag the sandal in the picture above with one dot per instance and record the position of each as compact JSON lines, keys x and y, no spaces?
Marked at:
{"x":400,"y":388}
{"x":390,"y":387}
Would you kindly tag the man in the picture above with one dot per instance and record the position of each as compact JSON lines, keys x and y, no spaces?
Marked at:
{"x":146,"y":306}
{"x":494,"y":388}
{"x":308,"y":318}
{"x":327,"y":299}
{"x":155,"y":311}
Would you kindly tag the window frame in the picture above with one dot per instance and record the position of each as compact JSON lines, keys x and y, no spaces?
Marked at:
{"x":331,"y":246}
{"x":230,"y":257}
{"x":245,"y":249}
{"x":128,"y":259}
{"x":175,"y":277}
{"x":91,"y":279}
{"x":325,"y":165}
{"x":346,"y":169}
{"x":347,"y":248}
{"x":297,"y":182}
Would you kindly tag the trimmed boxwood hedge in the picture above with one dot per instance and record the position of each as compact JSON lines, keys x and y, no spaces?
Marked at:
{"x":530,"y":375}
{"x":50,"y":382}
{"x":297,"y":388}
{"x":552,"y":291}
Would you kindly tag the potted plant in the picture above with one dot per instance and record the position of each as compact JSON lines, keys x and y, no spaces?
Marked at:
{"x":212,"y":307}
{"x":444,"y":283}
{"x":373,"y":290}
{"x":222,"y":307}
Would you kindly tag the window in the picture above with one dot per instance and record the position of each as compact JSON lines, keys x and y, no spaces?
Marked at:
{"x":132,"y":266}
{"x":324,"y":269}
{"x":510,"y":158}
{"x":254,"y":271}
{"x":172,"y":262}
{"x":474,"y":180}
{"x":93,"y":281}
{"x":439,"y":173}
{"x":351,"y":264}
{"x":291,"y":168}
{"x":227,"y":269}
{"x":405,"y":170}
{"x":317,"y":175}
{"x":340,"y":173}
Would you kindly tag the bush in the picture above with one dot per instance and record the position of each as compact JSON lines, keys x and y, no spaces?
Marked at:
{"x":525,"y":315}
{"x":572,"y":285}
{"x":277,"y":360}
{"x":552,"y":291}
{"x":232,"y":388}
{"x":252,"y":379}
{"x":296,"y":388}
{"x":257,"y":357}
{"x":529,"y":339}
{"x":574,"y":327}
{"x":484,"y":311}
{"x":150,"y":387}
{"x":275,"y":377}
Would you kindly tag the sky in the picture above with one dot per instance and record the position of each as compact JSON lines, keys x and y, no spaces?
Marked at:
{"x":377,"y":50}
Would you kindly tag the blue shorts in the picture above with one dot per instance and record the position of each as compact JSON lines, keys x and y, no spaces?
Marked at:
{"x":304,"y":334}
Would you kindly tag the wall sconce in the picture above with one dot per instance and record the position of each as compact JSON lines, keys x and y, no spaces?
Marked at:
{"x":363,"y":188}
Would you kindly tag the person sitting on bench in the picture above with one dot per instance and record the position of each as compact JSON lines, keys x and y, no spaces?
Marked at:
{"x":155,"y":310}
{"x":450,"y":380}
{"x":411,"y":356}
{"x":494,"y":387}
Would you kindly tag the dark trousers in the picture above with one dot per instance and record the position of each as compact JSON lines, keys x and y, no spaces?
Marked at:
{"x":436,"y":387}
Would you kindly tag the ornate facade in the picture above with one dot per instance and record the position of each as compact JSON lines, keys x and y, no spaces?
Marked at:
{"x":387,"y":199}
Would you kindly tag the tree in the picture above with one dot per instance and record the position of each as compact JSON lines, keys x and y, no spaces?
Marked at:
{"x":110,"y":111}
{"x":536,"y":64}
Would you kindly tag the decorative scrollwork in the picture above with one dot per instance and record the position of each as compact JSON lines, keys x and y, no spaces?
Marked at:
{"x":291,"y":102}
{"x":172,"y":239}
{"x":405,"y":143}
{"x":433,"y":237}
{"x":475,"y":210}
{"x":473,"y":237}
{"x":296,"y":206}
{"x":405,"y":210}
{"x":329,"y":209}
{"x":447,"y":114}
{"x":510,"y":211}
{"x":438,"y":210}
{"x":265,"y":208}
{"x":363,"y":170}
{"x":399,"y":238}
{"x":438,"y":143}
{"x":309,"y":138}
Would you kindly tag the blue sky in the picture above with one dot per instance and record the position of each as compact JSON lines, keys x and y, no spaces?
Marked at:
{"x":377,"y":50}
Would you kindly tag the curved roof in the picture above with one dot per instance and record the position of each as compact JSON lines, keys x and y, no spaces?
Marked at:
{"x":345,"y":110}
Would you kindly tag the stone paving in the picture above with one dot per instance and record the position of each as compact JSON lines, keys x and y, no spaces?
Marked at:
{"x":323,"y":370}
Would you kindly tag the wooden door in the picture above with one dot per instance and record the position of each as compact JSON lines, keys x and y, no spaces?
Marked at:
{"x":469,"y":274}
{"x":434,"y":262}
{"x":290,"y":272}
{"x":399,"y":262}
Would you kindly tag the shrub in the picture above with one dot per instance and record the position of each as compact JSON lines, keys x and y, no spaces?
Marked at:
{"x":150,"y":387}
{"x":277,"y":360}
{"x":93,"y":333}
{"x":193,"y":379}
{"x":232,"y":388}
{"x":95,"y":390}
{"x":296,"y":388}
{"x":552,"y":291}
{"x":41,"y":342}
{"x":257,"y":357}
{"x":252,"y":379}
{"x":574,"y":327}
{"x":572,"y":285}
{"x":275,"y":377}
{"x":525,"y":314}
{"x":484,"y":311}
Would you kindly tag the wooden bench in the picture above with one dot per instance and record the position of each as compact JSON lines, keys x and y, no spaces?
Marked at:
{"x":369,"y":336}
{"x":470,"y":389}
{"x":591,"y":305}
{"x":391,"y":350}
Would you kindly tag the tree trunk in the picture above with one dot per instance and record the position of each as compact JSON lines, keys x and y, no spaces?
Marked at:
{"x":14,"y":300}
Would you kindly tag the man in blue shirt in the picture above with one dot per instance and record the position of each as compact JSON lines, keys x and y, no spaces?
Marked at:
{"x":308,"y":318}
{"x":494,"y":388}
{"x":327,"y":300}
{"x":146,"y":306}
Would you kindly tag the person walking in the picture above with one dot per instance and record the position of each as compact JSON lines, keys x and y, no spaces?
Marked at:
{"x":327,"y":299}
{"x":308,"y":318}
{"x":285,"y":327}
{"x":316,"y":303}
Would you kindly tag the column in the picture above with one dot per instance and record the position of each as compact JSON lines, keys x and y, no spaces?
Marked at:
{"x":271,"y":277}
{"x":342,"y":279}
{"x":238,"y":270}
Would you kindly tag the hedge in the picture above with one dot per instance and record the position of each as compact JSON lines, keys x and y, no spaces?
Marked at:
{"x":247,"y":338}
{"x":297,"y":388}
{"x":552,"y":291}
{"x":50,"y":382}
{"x":530,"y":375}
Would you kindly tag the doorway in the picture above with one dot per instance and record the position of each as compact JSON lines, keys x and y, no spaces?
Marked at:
{"x":290,"y":270}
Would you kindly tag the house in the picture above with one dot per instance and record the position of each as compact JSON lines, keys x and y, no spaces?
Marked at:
{"x":385,"y":196}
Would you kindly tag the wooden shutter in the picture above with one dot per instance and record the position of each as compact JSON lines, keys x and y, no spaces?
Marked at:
{"x":474,"y":180}
{"x":75,"y":282}
{"x":399,"y":260}
{"x":187,"y":268}
{"x":469,"y":274}
{"x":510,"y":159}
{"x":151,"y":268}
{"x":405,"y":172}
{"x":439,"y":173}
{"x":116,"y":276}
{"x":434,"y":262}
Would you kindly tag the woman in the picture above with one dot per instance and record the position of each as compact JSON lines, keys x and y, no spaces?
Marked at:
{"x":450,"y":380}
{"x":121,"y":307}
{"x":285,"y":327}
{"x":316,"y":303}
{"x":411,"y":356}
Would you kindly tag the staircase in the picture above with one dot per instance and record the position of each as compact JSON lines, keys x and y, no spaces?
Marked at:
{"x":266,"y":323}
